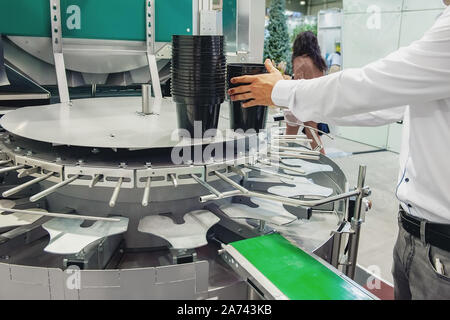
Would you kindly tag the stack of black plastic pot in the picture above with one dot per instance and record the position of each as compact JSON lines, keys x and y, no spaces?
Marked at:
{"x":246,"y":118}
{"x":198,"y":81}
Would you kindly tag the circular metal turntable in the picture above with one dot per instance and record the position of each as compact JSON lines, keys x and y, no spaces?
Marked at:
{"x":100,"y":159}
{"x":106,"y":123}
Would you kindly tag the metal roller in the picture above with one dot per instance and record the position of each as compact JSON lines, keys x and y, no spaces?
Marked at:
{"x":294,"y":155}
{"x":3,"y":162}
{"x":281,"y":175}
{"x":27,"y":172}
{"x":231,"y":182}
{"x":25,"y":185}
{"x":303,"y":151}
{"x":146,"y":197}
{"x":282,"y":136}
{"x":115,"y":195}
{"x":174,"y":180}
{"x":206,"y":185}
{"x":60,"y":215}
{"x":296,"y":140}
{"x":96,"y":179}
{"x":13,"y":168}
{"x":282,"y":166}
{"x":52,"y":189}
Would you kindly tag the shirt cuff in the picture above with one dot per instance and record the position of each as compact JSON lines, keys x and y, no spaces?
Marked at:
{"x":283,"y":91}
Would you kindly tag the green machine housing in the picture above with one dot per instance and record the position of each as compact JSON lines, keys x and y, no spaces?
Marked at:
{"x":107,"y":19}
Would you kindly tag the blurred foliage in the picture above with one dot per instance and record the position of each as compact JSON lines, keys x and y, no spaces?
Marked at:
{"x":277,"y":46}
{"x":303,"y":28}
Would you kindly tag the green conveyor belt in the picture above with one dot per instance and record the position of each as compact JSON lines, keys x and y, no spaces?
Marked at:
{"x":294,"y":272}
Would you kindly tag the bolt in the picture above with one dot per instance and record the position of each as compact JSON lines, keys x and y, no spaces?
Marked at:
{"x":58,"y":159}
{"x":95,"y":151}
{"x":123,"y":165}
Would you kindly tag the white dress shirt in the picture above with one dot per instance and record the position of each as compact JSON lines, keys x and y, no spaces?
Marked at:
{"x":417,"y":77}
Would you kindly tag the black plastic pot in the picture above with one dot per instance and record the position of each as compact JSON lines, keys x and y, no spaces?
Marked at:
{"x":177,"y":79}
{"x":242,"y":69}
{"x":198,"y":100}
{"x":197,"y":39}
{"x":198,"y":81}
{"x":207,"y":117}
{"x":196,"y":65}
{"x":200,"y":75}
{"x":245,"y":118}
{"x":198,"y":87}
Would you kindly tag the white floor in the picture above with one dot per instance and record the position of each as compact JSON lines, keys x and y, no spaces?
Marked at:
{"x":379,"y":233}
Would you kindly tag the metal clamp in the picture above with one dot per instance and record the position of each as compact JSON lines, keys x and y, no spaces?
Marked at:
{"x":55,"y":19}
{"x":150,"y":42}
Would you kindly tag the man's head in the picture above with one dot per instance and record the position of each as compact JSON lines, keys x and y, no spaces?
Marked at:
{"x":447,"y":2}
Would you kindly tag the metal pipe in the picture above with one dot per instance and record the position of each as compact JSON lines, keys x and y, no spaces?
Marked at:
{"x":3,"y":170}
{"x":294,"y":155}
{"x":52,"y":189}
{"x":115,"y":195}
{"x":146,"y":197}
{"x":316,"y":139}
{"x":281,"y":175}
{"x":206,"y":185}
{"x":25,"y":185}
{"x":3,"y":162}
{"x":238,"y":171}
{"x":297,"y":140}
{"x":224,"y":195}
{"x":284,"y":200}
{"x":27,"y":172}
{"x":146,"y":91}
{"x":284,"y":167}
{"x":59,"y":215}
{"x":174,"y":180}
{"x":96,"y":179}
{"x":283,"y":136}
{"x":231,"y":182}
{"x":304,"y":151}
{"x":356,"y":225}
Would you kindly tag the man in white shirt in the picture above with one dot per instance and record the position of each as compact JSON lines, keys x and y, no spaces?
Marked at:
{"x":416,"y":78}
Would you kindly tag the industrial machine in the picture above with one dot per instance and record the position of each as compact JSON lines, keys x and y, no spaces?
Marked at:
{"x":102,"y":198}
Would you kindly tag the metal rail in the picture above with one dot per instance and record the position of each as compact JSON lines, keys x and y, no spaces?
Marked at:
{"x":59,"y":215}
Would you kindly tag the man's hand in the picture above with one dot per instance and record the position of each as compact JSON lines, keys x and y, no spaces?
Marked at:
{"x":257,"y":89}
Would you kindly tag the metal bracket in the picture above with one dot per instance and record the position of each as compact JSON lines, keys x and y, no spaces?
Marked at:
{"x":226,"y":167}
{"x":55,"y":19}
{"x":150,"y":42}
{"x":45,"y":167}
{"x":163,"y":176}
{"x":109,"y":176}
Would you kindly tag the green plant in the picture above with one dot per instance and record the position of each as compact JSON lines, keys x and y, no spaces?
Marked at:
{"x":277,"y":46}
{"x":303,"y":28}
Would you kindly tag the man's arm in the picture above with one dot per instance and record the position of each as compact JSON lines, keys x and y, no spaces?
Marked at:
{"x":418,"y":73}
{"x":372,"y":119}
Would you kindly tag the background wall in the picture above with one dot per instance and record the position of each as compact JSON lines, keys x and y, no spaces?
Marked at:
{"x":373,"y":29}
{"x":316,"y":5}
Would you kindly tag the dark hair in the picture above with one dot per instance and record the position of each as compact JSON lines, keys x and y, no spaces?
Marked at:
{"x":306,"y":43}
